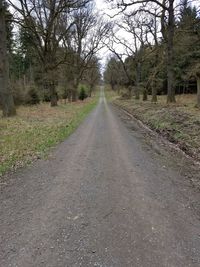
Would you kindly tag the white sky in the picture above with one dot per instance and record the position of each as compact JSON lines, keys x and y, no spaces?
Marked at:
{"x":100,"y":4}
{"x":105,"y":10}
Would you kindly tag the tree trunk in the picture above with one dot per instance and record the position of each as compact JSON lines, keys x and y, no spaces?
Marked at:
{"x":145,"y":95}
{"x":74,"y":95}
{"x":70,"y":96}
{"x":50,"y":77}
{"x":137,"y":93}
{"x":53,"y":95}
{"x":5,"y":90}
{"x":118,"y":90}
{"x":112,"y":86}
{"x":90,"y":91}
{"x":49,"y":83}
{"x":129,"y":91}
{"x":75,"y":89}
{"x":154,"y":98}
{"x":198,"y":92}
{"x":138,"y":74}
{"x":170,"y":55}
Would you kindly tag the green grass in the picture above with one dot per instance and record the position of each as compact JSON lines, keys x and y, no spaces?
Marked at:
{"x":36,"y":129}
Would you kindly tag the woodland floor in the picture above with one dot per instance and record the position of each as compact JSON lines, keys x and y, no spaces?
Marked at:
{"x":35,"y":129}
{"x":179,"y":123}
{"x":111,"y":195}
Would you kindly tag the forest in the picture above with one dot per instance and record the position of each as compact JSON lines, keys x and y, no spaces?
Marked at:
{"x":160,"y":49}
{"x":48,"y":50}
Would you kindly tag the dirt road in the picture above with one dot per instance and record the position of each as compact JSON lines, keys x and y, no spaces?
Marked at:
{"x":107,"y":197}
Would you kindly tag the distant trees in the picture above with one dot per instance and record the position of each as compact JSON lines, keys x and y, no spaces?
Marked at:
{"x":5,"y":90}
{"x":165,"y":48}
{"x":114,"y":74}
{"x":92,"y":75}
{"x":139,"y":54}
{"x":85,"y":40}
{"x":56,"y":44}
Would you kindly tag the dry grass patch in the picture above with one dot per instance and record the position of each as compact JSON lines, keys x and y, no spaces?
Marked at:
{"x":179,"y":123}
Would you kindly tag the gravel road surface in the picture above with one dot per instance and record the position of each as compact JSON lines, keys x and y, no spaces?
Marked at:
{"x":108,"y":196}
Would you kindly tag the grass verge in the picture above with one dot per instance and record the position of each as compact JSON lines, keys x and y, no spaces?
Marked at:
{"x":36,"y":129}
{"x":179,"y":123}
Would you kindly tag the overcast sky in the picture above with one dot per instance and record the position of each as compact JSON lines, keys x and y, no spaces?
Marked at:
{"x":101,"y":4}
{"x":104,"y":9}
{"x":104,"y":53}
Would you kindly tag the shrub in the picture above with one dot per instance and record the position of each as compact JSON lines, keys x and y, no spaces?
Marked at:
{"x":125,"y":95}
{"x":45,"y":96}
{"x":82,"y":93}
{"x":32,"y":97}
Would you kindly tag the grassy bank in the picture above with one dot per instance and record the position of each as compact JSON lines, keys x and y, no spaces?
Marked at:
{"x":35,"y":129}
{"x":179,"y":123}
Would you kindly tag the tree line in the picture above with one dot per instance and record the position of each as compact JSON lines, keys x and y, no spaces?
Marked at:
{"x":48,"y":48}
{"x":161,"y":48}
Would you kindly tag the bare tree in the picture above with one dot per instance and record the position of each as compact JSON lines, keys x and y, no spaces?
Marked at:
{"x":114,"y":74}
{"x":85,"y":41}
{"x":167,"y":21}
{"x":5,"y":90}
{"x":152,"y":24}
{"x":137,"y":26}
{"x":92,"y":75}
{"x":112,"y":43}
